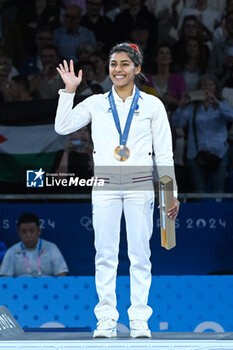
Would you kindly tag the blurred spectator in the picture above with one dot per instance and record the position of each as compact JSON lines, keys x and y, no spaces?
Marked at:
{"x":206,"y":117}
{"x":32,"y":64}
{"x":85,"y":50}
{"x":76,"y":158}
{"x":37,"y":14}
{"x":221,"y":58}
{"x":32,"y":256}
{"x":168,"y":86}
{"x":227,"y":94}
{"x":11,"y":40}
{"x":3,"y":250}
{"x":51,"y":14}
{"x":45,"y":84}
{"x":71,"y":35}
{"x":117,"y":6}
{"x":220,"y":32}
{"x":194,"y":63}
{"x":87,"y":86}
{"x":140,"y":34}
{"x":208,"y":16}
{"x":130,"y":18}
{"x":166,"y":20}
{"x":190,"y":29}
{"x":101,"y":76}
{"x":100,"y":25}
{"x":81,"y":3}
{"x":7,"y":72}
{"x":18,"y":90}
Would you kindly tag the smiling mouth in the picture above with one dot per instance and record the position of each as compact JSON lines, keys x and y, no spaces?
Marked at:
{"x":119,"y":77}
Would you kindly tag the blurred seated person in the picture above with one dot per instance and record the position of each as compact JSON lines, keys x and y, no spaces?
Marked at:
{"x":68,"y":37}
{"x":101,"y":77}
{"x":76,"y":158}
{"x":87,"y":86}
{"x":227,"y":94}
{"x":136,"y":13}
{"x":32,"y":64}
{"x":209,"y":17}
{"x":206,"y":117}
{"x":7,"y":72}
{"x":32,"y":256}
{"x":11,"y":39}
{"x":18,"y":90}
{"x":100,"y":25}
{"x":164,"y":83}
{"x":169,"y":87}
{"x":140,"y":34}
{"x":221,"y":59}
{"x":190,"y":28}
{"x":194,"y":62}
{"x":114,"y":8}
{"x":46,"y":83}
{"x":35,"y":14}
{"x":220,"y":32}
{"x":81,"y":3}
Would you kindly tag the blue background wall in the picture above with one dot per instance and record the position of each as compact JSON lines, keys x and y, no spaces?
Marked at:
{"x":204,"y":237}
{"x":180,"y":303}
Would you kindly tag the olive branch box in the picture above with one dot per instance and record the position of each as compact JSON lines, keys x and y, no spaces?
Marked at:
{"x":167,"y":225}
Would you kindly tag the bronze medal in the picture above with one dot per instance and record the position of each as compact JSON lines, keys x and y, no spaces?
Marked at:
{"x":121,"y":153}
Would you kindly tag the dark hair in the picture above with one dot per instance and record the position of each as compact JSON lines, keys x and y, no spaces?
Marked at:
{"x":51,"y":47}
{"x":156,"y":52}
{"x":21,"y":80}
{"x":203,"y":57}
{"x":44,"y":29}
{"x":190,"y":18}
{"x":133,"y":51}
{"x":28,"y":218}
{"x":205,"y":77}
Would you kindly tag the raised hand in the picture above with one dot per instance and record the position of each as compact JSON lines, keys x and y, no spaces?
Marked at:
{"x":68,"y":76}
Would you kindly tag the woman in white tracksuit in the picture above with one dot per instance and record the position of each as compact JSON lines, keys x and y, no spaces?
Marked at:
{"x":127,"y":126}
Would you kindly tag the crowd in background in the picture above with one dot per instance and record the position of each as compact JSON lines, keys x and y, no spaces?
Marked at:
{"x":188,"y":64}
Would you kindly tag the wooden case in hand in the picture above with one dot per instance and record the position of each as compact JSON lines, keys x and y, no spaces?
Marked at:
{"x":167,"y":225}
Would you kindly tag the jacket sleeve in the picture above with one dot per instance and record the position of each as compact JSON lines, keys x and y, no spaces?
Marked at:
{"x":69,"y":119}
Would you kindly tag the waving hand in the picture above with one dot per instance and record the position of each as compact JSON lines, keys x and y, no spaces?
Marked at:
{"x":68,"y":76}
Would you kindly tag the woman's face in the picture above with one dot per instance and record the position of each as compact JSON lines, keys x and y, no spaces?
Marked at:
{"x":190,"y":28}
{"x":164,"y":56}
{"x":208,"y":85}
{"x":122,"y":70}
{"x":192,"y":49}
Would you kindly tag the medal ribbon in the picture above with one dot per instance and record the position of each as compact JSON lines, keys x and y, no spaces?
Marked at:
{"x":124,"y":136}
{"x":25,"y":258}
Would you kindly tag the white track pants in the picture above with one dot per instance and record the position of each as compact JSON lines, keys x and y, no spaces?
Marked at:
{"x":107,"y":211}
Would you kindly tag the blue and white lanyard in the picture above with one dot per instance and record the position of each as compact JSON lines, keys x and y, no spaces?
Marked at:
{"x":124,"y":136}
